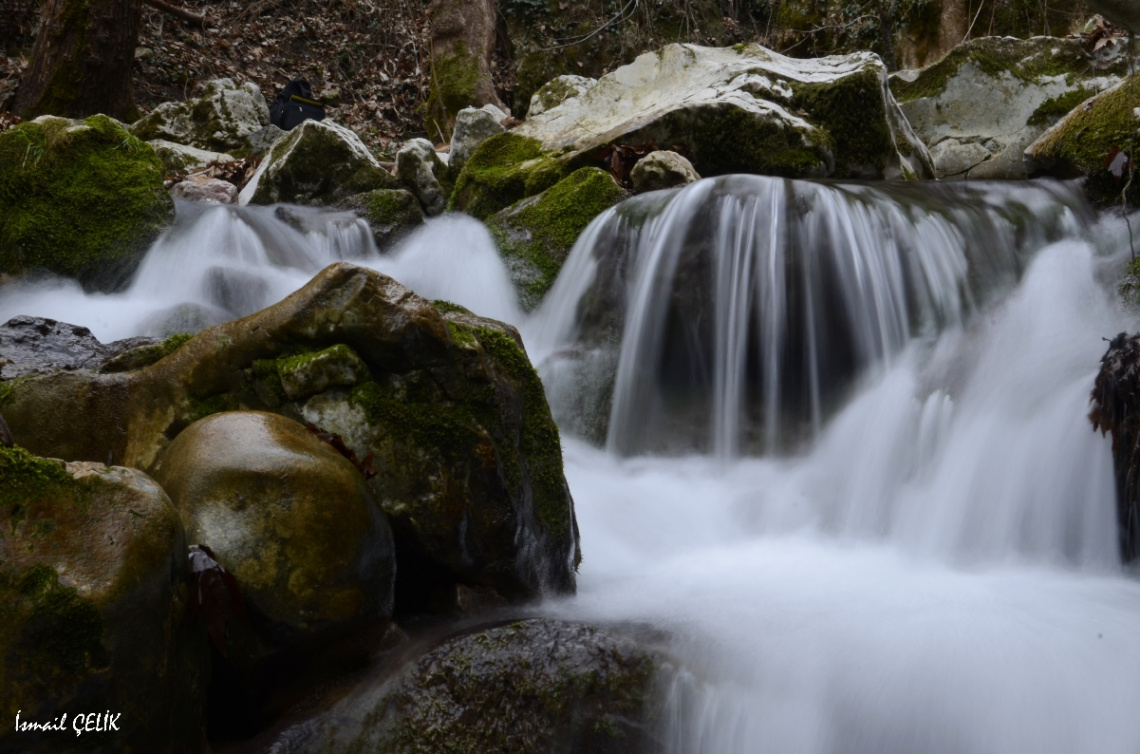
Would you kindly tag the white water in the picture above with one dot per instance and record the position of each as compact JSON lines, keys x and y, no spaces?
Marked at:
{"x":935,"y":572}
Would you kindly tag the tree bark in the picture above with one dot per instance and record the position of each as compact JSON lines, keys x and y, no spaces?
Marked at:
{"x":81,"y":62}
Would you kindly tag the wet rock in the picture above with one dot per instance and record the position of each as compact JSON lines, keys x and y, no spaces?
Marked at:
{"x":532,"y":686}
{"x":978,"y":108}
{"x":472,"y":128}
{"x":418,"y":166}
{"x":36,"y":345}
{"x":93,"y":590}
{"x":318,"y":162}
{"x":179,"y":158}
{"x":290,"y":517}
{"x":556,"y":91}
{"x":390,"y":213}
{"x":1114,"y":399}
{"x":745,"y":109}
{"x":219,"y":120}
{"x":662,"y":169}
{"x":83,"y":199}
{"x":468,"y":460}
{"x":307,"y":374}
{"x":200,"y":188}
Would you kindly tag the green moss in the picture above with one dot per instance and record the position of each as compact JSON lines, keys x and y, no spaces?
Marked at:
{"x":1057,"y":107}
{"x":299,"y":359}
{"x":851,"y":110}
{"x":431,"y":424}
{"x":447,"y":307}
{"x":24,"y":476}
{"x":84,"y":202}
{"x":144,"y":356}
{"x":504,"y":169}
{"x":452,"y":86}
{"x":63,"y":633}
{"x":392,"y":207}
{"x":732,"y":140}
{"x":540,"y":232}
{"x":200,"y":408}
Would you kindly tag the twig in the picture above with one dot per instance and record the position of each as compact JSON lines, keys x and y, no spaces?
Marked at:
{"x":182,"y":13}
{"x":621,"y":16}
{"x":980,"y":6}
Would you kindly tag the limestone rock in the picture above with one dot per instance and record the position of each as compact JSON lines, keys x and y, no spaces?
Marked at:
{"x":662,"y":169}
{"x":472,"y":128}
{"x":418,"y":167}
{"x":180,"y":158}
{"x":556,"y":91}
{"x":318,"y":162}
{"x":219,"y":120}
{"x":990,"y":98}
{"x":93,"y":594}
{"x":553,"y":686}
{"x":745,"y":109}
{"x":83,"y":199}
{"x":290,"y":517}
{"x":36,"y":345}
{"x":390,"y":213}
{"x":201,"y":188}
{"x":537,"y":233}
{"x":263,"y":139}
{"x":468,"y":459}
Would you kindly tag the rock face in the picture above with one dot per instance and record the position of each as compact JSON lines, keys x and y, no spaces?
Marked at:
{"x":319,"y":162}
{"x":418,"y":166}
{"x":35,"y":345}
{"x":290,"y":517}
{"x":390,"y":213}
{"x":1085,"y":141}
{"x":95,"y":604}
{"x":468,"y":459}
{"x":662,"y":169}
{"x":745,"y":109}
{"x":536,"y":234}
{"x":472,"y":128}
{"x":980,"y":107}
{"x":219,"y":120}
{"x":83,"y":199}
{"x":531,"y":686}
{"x":462,"y":47}
{"x":556,"y":91}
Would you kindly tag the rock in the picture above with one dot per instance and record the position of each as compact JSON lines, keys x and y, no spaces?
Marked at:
{"x":662,"y":169}
{"x":35,"y":345}
{"x":504,"y":169}
{"x":537,"y":685}
{"x":472,"y":128}
{"x":179,"y":158}
{"x":417,"y":166}
{"x":1113,"y":411}
{"x":95,"y":604}
{"x":82,"y":199}
{"x":200,"y":188}
{"x":536,"y":234}
{"x":468,"y":459}
{"x":390,"y":213}
{"x":556,"y":91}
{"x":290,"y":517}
{"x":1082,"y":142}
{"x":263,"y":139}
{"x":980,"y":107}
{"x":307,"y":374}
{"x":744,"y":109}
{"x":318,"y":162}
{"x":219,"y":120}
{"x":462,"y":48}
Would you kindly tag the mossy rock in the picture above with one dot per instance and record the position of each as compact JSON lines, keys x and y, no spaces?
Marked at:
{"x":468,"y":458}
{"x":319,"y":162}
{"x":504,"y":169}
{"x":83,"y":199}
{"x":529,"y":686}
{"x":536,"y":234}
{"x":94,"y":594}
{"x":290,"y":517}
{"x":219,"y":120}
{"x":390,"y":213}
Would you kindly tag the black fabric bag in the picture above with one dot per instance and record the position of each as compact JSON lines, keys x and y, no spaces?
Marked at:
{"x":294,"y":105}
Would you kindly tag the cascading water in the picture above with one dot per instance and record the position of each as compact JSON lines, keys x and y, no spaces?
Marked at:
{"x":927,"y":564}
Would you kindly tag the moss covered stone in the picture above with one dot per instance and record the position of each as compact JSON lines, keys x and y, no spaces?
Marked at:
{"x":537,"y":233}
{"x":390,"y":213}
{"x":144,"y":356}
{"x":853,"y":111}
{"x":82,"y":199}
{"x":504,"y":169}
{"x":219,"y":120}
{"x":307,"y":374}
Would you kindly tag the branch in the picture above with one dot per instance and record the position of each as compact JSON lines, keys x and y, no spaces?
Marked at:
{"x":185,"y":15}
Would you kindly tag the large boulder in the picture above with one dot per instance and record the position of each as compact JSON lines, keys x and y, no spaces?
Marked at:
{"x":36,"y":345}
{"x":319,"y":162}
{"x":220,"y":120}
{"x":1094,"y":140}
{"x":504,"y":169}
{"x":83,"y":199}
{"x":978,"y":108}
{"x":745,"y":109}
{"x":290,"y":517}
{"x":468,"y":461}
{"x":556,"y":91}
{"x":538,"y":685}
{"x":93,"y":590}
{"x":537,"y":233}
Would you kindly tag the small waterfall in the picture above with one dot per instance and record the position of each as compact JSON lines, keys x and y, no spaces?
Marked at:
{"x":736,"y":314}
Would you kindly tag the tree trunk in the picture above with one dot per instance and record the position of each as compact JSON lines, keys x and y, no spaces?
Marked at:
{"x":81,"y":62}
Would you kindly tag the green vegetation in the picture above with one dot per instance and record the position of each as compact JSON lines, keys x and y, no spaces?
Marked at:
{"x":735,"y":141}
{"x":453,"y":82}
{"x":844,"y":108}
{"x":504,"y":169}
{"x":24,"y":476}
{"x":144,"y":356}
{"x":1057,"y":107}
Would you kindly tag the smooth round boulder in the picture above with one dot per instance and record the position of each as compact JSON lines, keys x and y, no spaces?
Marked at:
{"x":290,"y":517}
{"x":662,"y":170}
